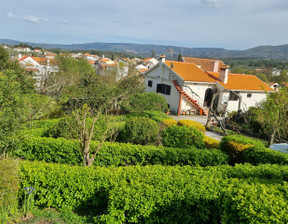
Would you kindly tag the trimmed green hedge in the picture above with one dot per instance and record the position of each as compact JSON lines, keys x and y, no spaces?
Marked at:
{"x":235,"y":145}
{"x":117,"y":154}
{"x":261,"y":155}
{"x":183,"y":137}
{"x":163,"y":194}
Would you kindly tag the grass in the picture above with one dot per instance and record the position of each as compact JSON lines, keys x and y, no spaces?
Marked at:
{"x":51,"y":216}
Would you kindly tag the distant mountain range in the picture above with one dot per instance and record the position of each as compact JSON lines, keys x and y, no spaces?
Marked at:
{"x":269,"y":52}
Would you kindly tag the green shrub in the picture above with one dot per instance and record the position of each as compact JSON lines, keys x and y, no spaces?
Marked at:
{"x":140,"y":130}
{"x":182,"y":137}
{"x":42,"y":123}
{"x":68,"y":128}
{"x":235,"y":145}
{"x":260,"y":155}
{"x":154,"y":115}
{"x":163,"y":194}
{"x":9,"y":186}
{"x":116,"y":154}
{"x":145,"y":102}
{"x":50,"y":150}
{"x":194,"y":124}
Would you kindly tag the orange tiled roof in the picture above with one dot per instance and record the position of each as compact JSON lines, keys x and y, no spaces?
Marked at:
{"x":190,"y":72}
{"x":146,"y":59}
{"x":104,"y":60}
{"x":91,"y":62}
{"x":41,"y":61}
{"x":24,"y":57}
{"x":206,"y":64}
{"x":243,"y":82}
{"x":142,"y":70}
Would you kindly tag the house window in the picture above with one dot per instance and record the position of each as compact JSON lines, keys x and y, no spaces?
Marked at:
{"x":150,"y":82}
{"x":249,"y":95}
{"x":165,"y":89}
{"x":233,"y":96}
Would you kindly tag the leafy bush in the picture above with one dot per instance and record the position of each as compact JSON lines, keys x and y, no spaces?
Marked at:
{"x":260,"y":155}
{"x":117,"y":154}
{"x":182,"y":137}
{"x":141,"y":102}
{"x":211,"y":143}
{"x":9,"y":186}
{"x":235,"y":145}
{"x":140,"y":130}
{"x":169,"y":122}
{"x":42,"y":124}
{"x":68,"y":128}
{"x":194,"y":124}
{"x":163,"y":194}
{"x":50,"y":150}
{"x":154,"y":115}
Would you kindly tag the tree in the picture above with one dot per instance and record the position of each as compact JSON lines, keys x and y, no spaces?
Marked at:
{"x":273,"y":114}
{"x":11,"y":109}
{"x":140,"y":102}
{"x":179,"y":57}
{"x":86,"y":131}
{"x":153,"y":53}
{"x":71,"y":71}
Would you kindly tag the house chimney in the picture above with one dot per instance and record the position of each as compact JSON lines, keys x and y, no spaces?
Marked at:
{"x":224,"y":74}
{"x":216,"y":66}
{"x":162,"y":58}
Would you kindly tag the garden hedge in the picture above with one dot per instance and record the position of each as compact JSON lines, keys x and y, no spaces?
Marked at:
{"x":117,"y":154}
{"x":235,"y":145}
{"x":163,"y":194}
{"x":261,"y":155}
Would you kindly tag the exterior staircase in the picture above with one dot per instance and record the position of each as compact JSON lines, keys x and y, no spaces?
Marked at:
{"x":193,"y":102}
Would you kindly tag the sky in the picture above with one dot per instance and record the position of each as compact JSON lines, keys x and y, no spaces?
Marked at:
{"x":229,"y":24}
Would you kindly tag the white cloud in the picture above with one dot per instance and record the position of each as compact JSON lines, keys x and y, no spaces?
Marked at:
{"x":31,"y":19}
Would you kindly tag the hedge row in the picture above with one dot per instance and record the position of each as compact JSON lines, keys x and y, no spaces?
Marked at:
{"x":163,"y":194}
{"x":242,"y":149}
{"x":117,"y":154}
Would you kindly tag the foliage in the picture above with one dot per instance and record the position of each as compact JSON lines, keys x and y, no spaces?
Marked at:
{"x":182,"y":137}
{"x":116,"y":154}
{"x":272,"y":115}
{"x":11,"y":109}
{"x":140,"y":102}
{"x":169,"y":122}
{"x":211,"y":143}
{"x":140,"y":130}
{"x":39,"y":106}
{"x":23,"y":79}
{"x":194,"y":124}
{"x":50,"y":150}
{"x":235,"y":145}
{"x":154,"y":115}
{"x":9,"y":186}
{"x":261,"y":155}
{"x":163,"y":194}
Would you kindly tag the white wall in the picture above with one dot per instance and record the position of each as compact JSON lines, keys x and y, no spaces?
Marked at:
{"x":199,"y":89}
{"x":247,"y":102}
{"x":160,"y":75}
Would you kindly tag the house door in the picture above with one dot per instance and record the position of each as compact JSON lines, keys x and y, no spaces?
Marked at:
{"x":208,"y":97}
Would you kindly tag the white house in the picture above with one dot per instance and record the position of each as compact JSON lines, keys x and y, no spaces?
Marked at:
{"x":188,"y":88}
{"x":149,"y":62}
{"x":41,"y":67}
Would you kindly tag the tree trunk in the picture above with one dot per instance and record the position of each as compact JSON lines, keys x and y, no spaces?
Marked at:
{"x":272,"y":137}
{"x":86,"y":152}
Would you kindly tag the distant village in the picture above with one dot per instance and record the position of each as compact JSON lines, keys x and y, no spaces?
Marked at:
{"x":188,"y":85}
